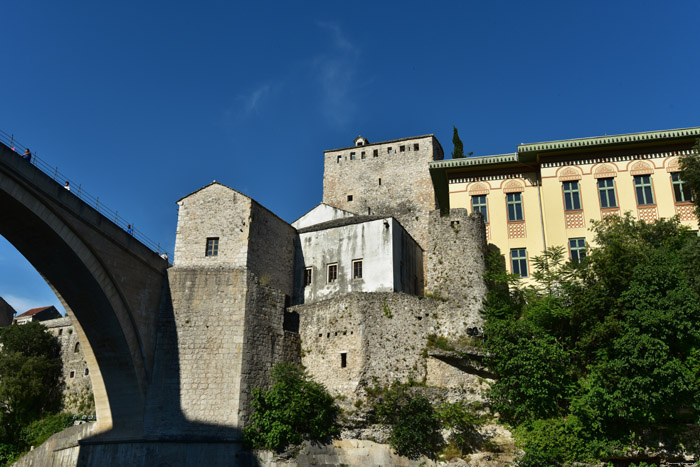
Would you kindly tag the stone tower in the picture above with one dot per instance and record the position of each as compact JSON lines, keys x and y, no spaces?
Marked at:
{"x":390,"y":178}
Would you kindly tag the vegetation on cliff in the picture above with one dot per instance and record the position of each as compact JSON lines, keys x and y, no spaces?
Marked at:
{"x":294,"y":409}
{"x":601,"y":356}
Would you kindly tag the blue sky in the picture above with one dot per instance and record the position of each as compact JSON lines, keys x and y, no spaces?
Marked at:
{"x":142,"y":103}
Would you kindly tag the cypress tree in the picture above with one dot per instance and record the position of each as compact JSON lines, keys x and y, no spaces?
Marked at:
{"x":458,"y":152}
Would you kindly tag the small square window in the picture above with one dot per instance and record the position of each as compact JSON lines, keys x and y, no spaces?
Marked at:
{"x":349,"y":197}
{"x":415,"y":147}
{"x":332,"y":272}
{"x":72,"y":374}
{"x":307,"y":276}
{"x":388,"y":150}
{"x":340,"y":158}
{"x":375,"y":153}
{"x":60,"y":331}
{"x":402,"y":148}
{"x":357,"y":269}
{"x":343,"y":359}
{"x":362,"y":155}
{"x":212,"y":247}
{"x":352,"y":156}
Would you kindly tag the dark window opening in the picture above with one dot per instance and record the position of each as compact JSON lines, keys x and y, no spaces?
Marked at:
{"x":402,"y":148}
{"x":77,"y":347}
{"x":343,"y":359}
{"x":340,"y":158}
{"x":72,"y":374}
{"x":352,"y":156}
{"x":87,"y":371}
{"x":332,"y":272}
{"x":212,"y":247}
{"x":375,"y":153}
{"x":415,"y":147}
{"x":357,"y":269}
{"x":349,"y":197}
{"x":362,"y":155}
{"x":60,"y":331}
{"x":307,"y":276}
{"x":380,"y":182}
{"x":388,"y":150}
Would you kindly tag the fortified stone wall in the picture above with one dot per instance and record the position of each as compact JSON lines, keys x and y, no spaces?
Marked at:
{"x":201,"y":351}
{"x":264,"y":341}
{"x":215,"y":211}
{"x":271,"y":249}
{"x":77,"y":392}
{"x":396,"y":182}
{"x":383,"y":337}
{"x":456,"y":267}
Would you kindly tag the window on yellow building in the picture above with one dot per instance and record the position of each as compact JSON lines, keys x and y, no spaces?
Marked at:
{"x":572,"y":196}
{"x":681,"y":190}
{"x":479,"y":205}
{"x":577,"y":249}
{"x":514,"y":202}
{"x":606,"y":190}
{"x":518,"y":261}
{"x":642,"y":185}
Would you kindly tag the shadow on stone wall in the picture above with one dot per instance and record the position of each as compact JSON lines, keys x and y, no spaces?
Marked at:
{"x":169,"y":438}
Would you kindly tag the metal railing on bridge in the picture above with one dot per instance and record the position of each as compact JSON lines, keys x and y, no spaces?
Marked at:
{"x":94,"y":201}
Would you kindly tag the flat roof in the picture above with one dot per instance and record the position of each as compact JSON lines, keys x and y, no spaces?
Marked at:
{"x":383,"y":142}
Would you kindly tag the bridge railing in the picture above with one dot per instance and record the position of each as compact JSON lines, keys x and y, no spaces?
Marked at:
{"x":94,"y":201}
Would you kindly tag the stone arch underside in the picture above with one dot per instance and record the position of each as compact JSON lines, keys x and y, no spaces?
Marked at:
{"x":115,"y":320}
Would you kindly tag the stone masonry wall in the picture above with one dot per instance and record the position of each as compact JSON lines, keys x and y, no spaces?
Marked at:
{"x":200,"y":353}
{"x":404,"y":192}
{"x":263,"y":341}
{"x":456,"y":266}
{"x":382,"y":334}
{"x":271,"y":249}
{"x":214,"y":211}
{"x":77,"y":391}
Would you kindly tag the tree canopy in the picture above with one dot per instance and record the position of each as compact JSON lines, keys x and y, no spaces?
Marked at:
{"x":599,"y":351}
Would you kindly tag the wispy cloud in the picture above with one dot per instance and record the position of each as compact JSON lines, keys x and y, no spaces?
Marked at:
{"x":337,"y":74}
{"x":252,"y":100}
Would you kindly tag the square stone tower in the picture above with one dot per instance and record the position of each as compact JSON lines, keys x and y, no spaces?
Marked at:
{"x":390,"y":178}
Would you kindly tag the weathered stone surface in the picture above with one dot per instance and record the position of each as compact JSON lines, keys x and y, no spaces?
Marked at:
{"x":394,"y":183}
{"x":77,"y":391}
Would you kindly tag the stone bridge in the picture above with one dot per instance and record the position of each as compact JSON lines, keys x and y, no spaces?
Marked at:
{"x":109,"y":283}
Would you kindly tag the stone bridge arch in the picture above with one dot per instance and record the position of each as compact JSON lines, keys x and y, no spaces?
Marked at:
{"x":110,"y":284}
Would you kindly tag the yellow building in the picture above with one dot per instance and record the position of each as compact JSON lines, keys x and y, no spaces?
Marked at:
{"x":547,"y":194}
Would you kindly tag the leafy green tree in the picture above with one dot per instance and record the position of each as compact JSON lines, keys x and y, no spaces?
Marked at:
{"x":462,"y":419}
{"x":611,"y":343}
{"x":30,"y":377}
{"x":294,"y":409}
{"x":415,"y":426}
{"x":458,"y":152}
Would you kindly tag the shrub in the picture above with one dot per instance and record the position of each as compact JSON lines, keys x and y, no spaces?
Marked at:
{"x":461,"y":418}
{"x":294,"y":409}
{"x":415,"y":427}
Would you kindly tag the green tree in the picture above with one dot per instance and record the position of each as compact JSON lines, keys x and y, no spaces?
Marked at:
{"x":415,"y":426}
{"x":599,"y":350}
{"x":30,"y":377}
{"x":458,"y":152}
{"x":294,"y":409}
{"x":690,"y":173}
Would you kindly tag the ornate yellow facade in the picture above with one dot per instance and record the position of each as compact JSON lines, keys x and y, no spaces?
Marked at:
{"x":548,"y":193}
